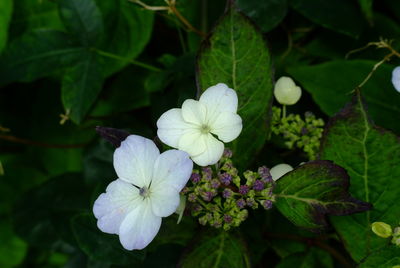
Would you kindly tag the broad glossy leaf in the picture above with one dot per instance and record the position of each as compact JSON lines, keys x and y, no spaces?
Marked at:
{"x":127,"y":29}
{"x":387,"y":257}
{"x":236,"y":54}
{"x":216,"y":250}
{"x":82,"y":18}
{"x":81,"y":86}
{"x":314,"y":190}
{"x":100,"y":246}
{"x":371,"y":156}
{"x":332,"y":93}
{"x":266,"y":14}
{"x":37,"y":54}
{"x":326,"y":14}
{"x":6,"y":7}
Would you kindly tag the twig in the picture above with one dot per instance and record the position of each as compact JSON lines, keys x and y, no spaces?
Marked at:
{"x":40,"y":144}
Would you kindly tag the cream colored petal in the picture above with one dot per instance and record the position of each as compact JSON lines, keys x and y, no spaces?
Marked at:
{"x":171,"y":126}
{"x":212,"y":153}
{"x":194,"y":112}
{"x":227,"y":126}
{"x":192,"y":143}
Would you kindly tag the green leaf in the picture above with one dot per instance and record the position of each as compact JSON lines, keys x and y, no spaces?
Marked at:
{"x":326,"y":13}
{"x":387,"y":257}
{"x":331,"y":94}
{"x":53,"y":204}
{"x":12,"y":248}
{"x":313,"y":258}
{"x":82,"y":18}
{"x":100,"y":246}
{"x":127,"y":29}
{"x":6,"y":7}
{"x":371,"y":156}
{"x":80,"y":86}
{"x":37,"y":54}
{"x":266,"y":14}
{"x":366,"y":7}
{"x":314,"y":190}
{"x":216,"y":250}
{"x":236,"y":54}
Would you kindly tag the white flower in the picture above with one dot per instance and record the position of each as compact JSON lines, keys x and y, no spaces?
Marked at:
{"x":147,"y":189}
{"x":396,"y":78}
{"x":280,"y":170}
{"x":191,"y":128}
{"x":286,"y":92}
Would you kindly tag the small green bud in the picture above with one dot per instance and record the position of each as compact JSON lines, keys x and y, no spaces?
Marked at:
{"x":382,"y":229}
{"x":286,"y":92}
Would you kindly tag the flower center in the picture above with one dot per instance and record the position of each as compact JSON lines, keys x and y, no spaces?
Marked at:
{"x":144,"y":192}
{"x":205,"y":129}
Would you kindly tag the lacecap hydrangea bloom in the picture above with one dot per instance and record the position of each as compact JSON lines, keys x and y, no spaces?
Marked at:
{"x":200,"y":127}
{"x":146,"y":190}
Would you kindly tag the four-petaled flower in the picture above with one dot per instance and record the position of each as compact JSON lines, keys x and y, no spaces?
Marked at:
{"x":146,"y":190}
{"x":191,"y":128}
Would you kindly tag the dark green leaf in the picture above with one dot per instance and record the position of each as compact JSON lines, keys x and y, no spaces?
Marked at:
{"x":216,"y":250}
{"x":331,"y":84}
{"x":236,"y":54}
{"x":366,"y":7}
{"x":100,"y":246}
{"x":327,"y":14}
{"x":314,"y":190}
{"x":80,"y":86}
{"x":387,"y":257}
{"x":37,"y":54}
{"x":82,"y":18}
{"x":98,"y":166}
{"x":266,"y":14}
{"x":127,"y":29}
{"x":371,"y":156}
{"x":12,"y":248}
{"x":313,"y":258}
{"x":6,"y":7}
{"x":41,"y":214}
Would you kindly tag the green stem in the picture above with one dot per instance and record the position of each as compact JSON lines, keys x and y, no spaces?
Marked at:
{"x":134,"y":62}
{"x":283,"y":111}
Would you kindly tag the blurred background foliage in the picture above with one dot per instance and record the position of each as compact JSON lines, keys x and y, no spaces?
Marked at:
{"x":67,"y":66}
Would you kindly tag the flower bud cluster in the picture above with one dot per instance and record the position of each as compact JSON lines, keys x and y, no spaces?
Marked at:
{"x":221,"y":198}
{"x":384,"y":230}
{"x":304,"y":134}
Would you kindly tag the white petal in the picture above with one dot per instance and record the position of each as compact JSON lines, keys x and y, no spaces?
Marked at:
{"x":111,"y":208}
{"x":192,"y":143}
{"x":171,"y":127}
{"x":227,"y":126}
{"x":194,"y":112}
{"x":174,"y":168}
{"x":286,"y":92}
{"x":139,"y":227}
{"x":396,"y":78}
{"x":212,"y":153}
{"x":164,"y":199}
{"x":219,"y":98}
{"x":134,"y":160}
{"x":280,"y":170}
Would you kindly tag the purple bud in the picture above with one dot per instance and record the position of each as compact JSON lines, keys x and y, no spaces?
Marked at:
{"x":197,"y":208}
{"x":267,"y":204}
{"x":227,"y":193}
{"x":195,"y":177}
{"x":240,"y":203}
{"x":192,"y":197}
{"x":258,"y":185}
{"x":207,"y":196}
{"x":304,"y":131}
{"x":215,"y":183}
{"x":225,"y":178}
{"x":265,"y":174}
{"x":227,"y":218}
{"x":244,"y":189}
{"x":227,"y":153}
{"x":250,"y":202}
{"x":207,"y":173}
{"x":185,"y":190}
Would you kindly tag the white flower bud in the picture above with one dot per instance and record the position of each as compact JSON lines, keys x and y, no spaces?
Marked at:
{"x":396,"y":78}
{"x":280,"y":170}
{"x":286,"y":92}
